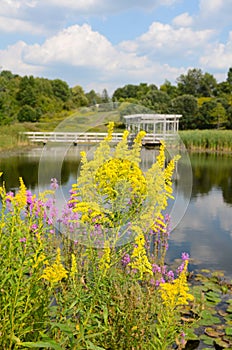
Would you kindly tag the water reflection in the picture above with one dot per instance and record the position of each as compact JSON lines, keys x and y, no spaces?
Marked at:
{"x":206,"y":229}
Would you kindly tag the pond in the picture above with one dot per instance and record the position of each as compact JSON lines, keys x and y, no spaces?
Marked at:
{"x":202,"y":211}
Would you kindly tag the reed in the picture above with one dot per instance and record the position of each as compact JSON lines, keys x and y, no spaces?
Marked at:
{"x":207,"y":140}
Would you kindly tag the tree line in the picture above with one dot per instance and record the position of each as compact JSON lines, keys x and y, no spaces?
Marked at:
{"x":203,"y":103}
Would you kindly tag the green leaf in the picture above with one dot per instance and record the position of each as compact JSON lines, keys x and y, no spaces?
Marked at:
{"x":228,"y":331}
{"x":42,"y":344}
{"x":93,"y":347}
{"x":105,"y":315}
{"x":64,"y":328}
{"x":207,"y":340}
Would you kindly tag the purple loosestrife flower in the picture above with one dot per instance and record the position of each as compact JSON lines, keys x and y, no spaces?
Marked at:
{"x":170,"y":275}
{"x":158,"y":282}
{"x":156,"y":268}
{"x":182,"y":340}
{"x":54,"y":184}
{"x":34,"y":227}
{"x":22,"y":240}
{"x":9,"y":196}
{"x":184,"y":256}
{"x":125,"y":260}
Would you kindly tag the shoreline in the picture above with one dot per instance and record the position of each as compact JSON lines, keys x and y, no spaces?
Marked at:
{"x":17,"y":149}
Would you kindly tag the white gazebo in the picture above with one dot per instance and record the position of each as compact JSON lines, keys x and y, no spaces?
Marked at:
{"x":157,"y":126}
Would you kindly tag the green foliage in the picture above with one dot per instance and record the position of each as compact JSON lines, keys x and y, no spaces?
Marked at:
{"x":60,"y":89}
{"x":52,"y":97}
{"x":187,"y":106}
{"x":28,"y":114}
{"x":196,"y":83}
{"x":157,"y":101}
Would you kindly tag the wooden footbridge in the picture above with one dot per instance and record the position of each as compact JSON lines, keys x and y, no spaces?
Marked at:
{"x":158,"y":127}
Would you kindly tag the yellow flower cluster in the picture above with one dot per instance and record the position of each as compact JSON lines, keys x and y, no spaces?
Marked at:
{"x":20,"y":198}
{"x":139,"y":259}
{"x":112,"y":190}
{"x":73,"y":267}
{"x":115,"y":171}
{"x":175,"y":293}
{"x":104,"y":263}
{"x":91,"y":213}
{"x":55,"y":272}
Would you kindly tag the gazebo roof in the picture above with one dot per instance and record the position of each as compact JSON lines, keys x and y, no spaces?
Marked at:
{"x":149,"y":118}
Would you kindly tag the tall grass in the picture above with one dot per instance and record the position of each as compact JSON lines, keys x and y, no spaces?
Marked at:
{"x":212,"y":140}
{"x":11,"y":137}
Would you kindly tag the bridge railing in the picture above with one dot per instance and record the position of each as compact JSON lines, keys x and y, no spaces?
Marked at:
{"x":94,"y":137}
{"x":70,"y":137}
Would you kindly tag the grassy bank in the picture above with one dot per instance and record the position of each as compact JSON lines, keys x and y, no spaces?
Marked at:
{"x":83,"y":120}
{"x":207,"y":140}
{"x":10,"y":137}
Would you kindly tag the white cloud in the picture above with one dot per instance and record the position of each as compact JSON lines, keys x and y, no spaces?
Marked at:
{"x":12,"y":25}
{"x":12,"y":59}
{"x":86,"y":56}
{"x":76,"y":46}
{"x":183,"y":20}
{"x":30,"y":8}
{"x":96,"y":6}
{"x":164,"y":40}
{"x":219,"y":55}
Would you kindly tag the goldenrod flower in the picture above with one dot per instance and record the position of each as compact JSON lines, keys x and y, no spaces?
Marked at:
{"x":175,"y":293}
{"x":73,"y":267}
{"x":104,"y":263}
{"x":139,"y":259}
{"x":20,"y":198}
{"x":55,"y":272}
{"x":116,"y":171}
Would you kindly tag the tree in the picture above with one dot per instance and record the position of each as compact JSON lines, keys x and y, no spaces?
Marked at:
{"x":170,"y":89}
{"x":196,"y":83}
{"x":208,"y":85}
{"x":93,"y":98}
{"x":28,"y":114}
{"x":157,"y":100}
{"x":78,"y":98}
{"x":105,"y":96}
{"x":229,"y":118}
{"x":61,"y":89}
{"x":229,"y":76}
{"x":187,"y":106}
{"x":26,"y":94}
{"x":128,"y":91}
{"x":219,"y":115}
{"x":7,"y":74}
{"x":190,"y":83}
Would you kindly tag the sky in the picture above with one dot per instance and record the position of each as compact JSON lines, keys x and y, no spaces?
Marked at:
{"x":106,"y":44}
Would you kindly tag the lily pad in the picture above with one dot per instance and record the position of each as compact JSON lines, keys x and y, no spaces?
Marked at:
{"x":221,"y":344}
{"x":207,"y":319}
{"x":229,"y":309}
{"x":207,"y":340}
{"x":214,"y":333}
{"x":228,"y":331}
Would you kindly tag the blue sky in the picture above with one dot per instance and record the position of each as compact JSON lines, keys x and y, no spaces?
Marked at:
{"x":106,"y":44}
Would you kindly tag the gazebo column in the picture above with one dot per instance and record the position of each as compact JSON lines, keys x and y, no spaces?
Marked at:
{"x":164,"y":126}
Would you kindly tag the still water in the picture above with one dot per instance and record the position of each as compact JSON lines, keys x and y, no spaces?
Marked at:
{"x":201,"y":212}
